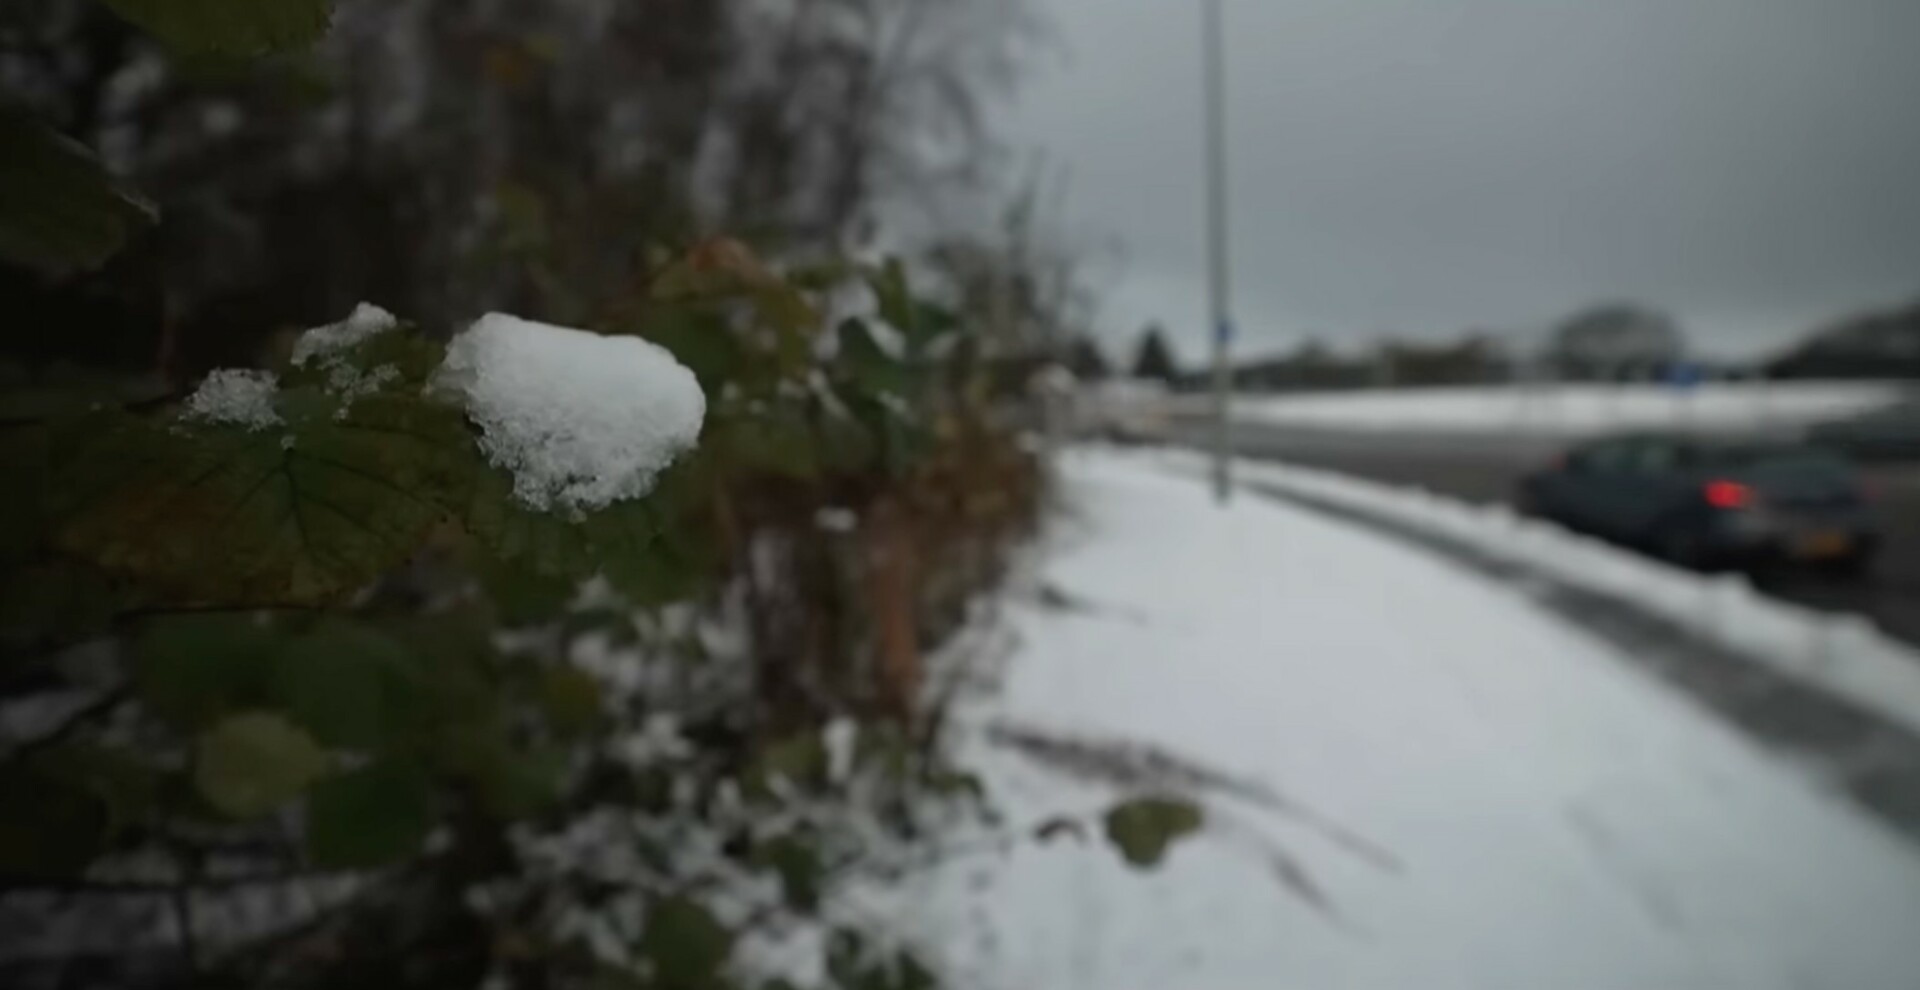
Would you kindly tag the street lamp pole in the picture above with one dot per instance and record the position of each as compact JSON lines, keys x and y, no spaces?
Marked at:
{"x":1214,"y":56}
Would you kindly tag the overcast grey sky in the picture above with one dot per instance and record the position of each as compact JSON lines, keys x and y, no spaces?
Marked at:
{"x":1417,"y":167}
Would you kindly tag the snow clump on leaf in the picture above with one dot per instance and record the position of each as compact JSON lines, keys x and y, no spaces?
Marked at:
{"x":581,"y":420}
{"x":236,"y":397}
{"x":365,"y":321}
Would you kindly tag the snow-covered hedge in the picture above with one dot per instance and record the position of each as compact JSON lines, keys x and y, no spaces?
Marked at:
{"x":600,"y":643}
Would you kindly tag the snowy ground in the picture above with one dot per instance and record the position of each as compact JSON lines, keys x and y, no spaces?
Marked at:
{"x":1527,"y":810}
{"x":1572,"y":410}
{"x":1842,"y":655}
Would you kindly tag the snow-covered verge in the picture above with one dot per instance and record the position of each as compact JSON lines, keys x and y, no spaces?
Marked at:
{"x":1566,"y":410}
{"x":1527,"y":810}
{"x":1843,"y":655}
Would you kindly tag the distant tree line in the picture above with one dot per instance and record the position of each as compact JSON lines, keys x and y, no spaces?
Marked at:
{"x":1880,"y":344}
{"x":1616,"y":341}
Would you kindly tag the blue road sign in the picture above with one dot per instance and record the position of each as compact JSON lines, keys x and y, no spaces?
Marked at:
{"x":1685,"y":374}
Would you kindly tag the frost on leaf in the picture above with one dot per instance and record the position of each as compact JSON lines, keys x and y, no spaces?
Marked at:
{"x":236,"y":397}
{"x":580,"y":420}
{"x":365,"y":321}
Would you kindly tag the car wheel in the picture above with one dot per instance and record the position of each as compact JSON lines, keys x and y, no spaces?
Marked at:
{"x":1856,"y":566}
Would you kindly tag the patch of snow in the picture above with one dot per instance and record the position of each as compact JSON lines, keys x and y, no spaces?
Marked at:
{"x":236,"y":397}
{"x":221,"y":119}
{"x":1566,"y":410}
{"x":1553,"y":817}
{"x":365,"y":321}
{"x":1842,"y":655}
{"x":580,"y":419}
{"x":351,"y":385}
{"x":834,"y":519}
{"x":839,"y":738}
{"x":887,"y":337}
{"x":657,"y":740}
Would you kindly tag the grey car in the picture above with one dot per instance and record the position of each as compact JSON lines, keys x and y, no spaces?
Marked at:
{"x":1711,"y":504}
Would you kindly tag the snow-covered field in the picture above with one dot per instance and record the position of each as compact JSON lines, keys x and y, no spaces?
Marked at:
{"x":1572,"y":410}
{"x":1543,"y":815}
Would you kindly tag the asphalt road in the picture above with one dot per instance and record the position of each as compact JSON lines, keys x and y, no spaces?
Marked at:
{"x":1484,"y":469}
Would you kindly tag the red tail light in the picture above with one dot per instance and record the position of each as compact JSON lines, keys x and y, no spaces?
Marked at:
{"x":1728,"y":495}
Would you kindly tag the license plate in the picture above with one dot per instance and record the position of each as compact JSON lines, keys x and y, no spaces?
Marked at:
{"x":1822,"y":545}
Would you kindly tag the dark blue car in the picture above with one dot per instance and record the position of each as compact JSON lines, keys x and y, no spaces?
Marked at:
{"x":1711,"y":504}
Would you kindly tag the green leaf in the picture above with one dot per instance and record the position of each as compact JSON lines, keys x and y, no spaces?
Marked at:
{"x":912,"y":974}
{"x":723,"y":268}
{"x":787,"y":310}
{"x":871,"y":368}
{"x":192,"y":669}
{"x":303,"y":515}
{"x":931,"y":322}
{"x":957,"y":782}
{"x":779,"y":444}
{"x":126,"y":787}
{"x":846,"y":957}
{"x":846,"y":444}
{"x":375,"y":815}
{"x":1143,"y":828}
{"x":686,"y":944}
{"x":523,"y":217}
{"x":889,"y":285}
{"x":547,"y":544}
{"x":512,"y":784}
{"x":60,"y":211}
{"x":251,"y":763}
{"x":820,"y":276}
{"x":800,"y":759}
{"x":230,"y":27}
{"x":798,"y":865}
{"x":571,"y":699}
{"x":446,"y":701}
{"x":522,"y":596}
{"x":625,"y":542}
{"x":900,"y":442}
{"x":852,"y":967}
{"x":335,"y":679}
{"x":649,"y":562}
{"x":699,"y":338}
